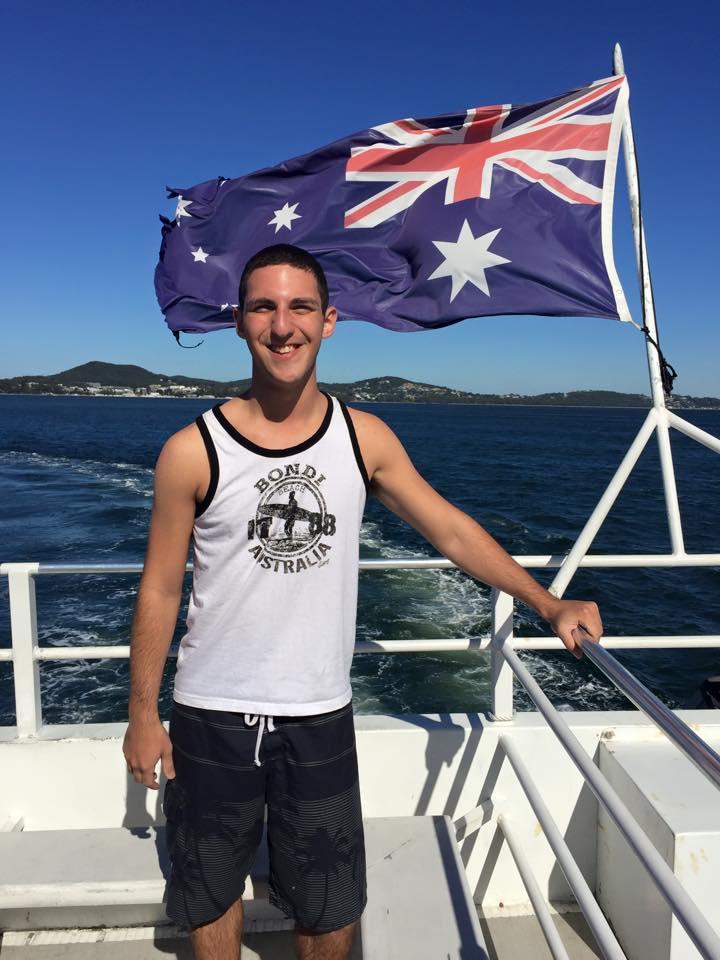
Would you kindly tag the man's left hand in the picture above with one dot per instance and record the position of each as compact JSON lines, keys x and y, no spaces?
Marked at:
{"x":566,"y":616}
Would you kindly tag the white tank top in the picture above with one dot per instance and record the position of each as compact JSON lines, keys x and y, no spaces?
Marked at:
{"x":271,"y":621}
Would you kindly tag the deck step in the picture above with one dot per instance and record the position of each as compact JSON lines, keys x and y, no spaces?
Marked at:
{"x":116,"y":877}
{"x":419,"y":903}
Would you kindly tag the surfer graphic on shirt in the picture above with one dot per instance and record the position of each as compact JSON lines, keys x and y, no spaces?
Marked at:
{"x":292,"y":511}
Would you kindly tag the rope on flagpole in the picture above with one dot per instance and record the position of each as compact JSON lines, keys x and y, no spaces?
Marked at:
{"x":668,"y":373}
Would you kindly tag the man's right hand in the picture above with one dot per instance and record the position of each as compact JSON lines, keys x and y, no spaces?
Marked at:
{"x":146,"y":742}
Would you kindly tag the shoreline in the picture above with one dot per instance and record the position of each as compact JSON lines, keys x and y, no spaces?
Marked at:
{"x":418,"y":403}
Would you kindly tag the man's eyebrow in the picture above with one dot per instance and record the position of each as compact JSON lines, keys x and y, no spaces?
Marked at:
{"x":304,"y":301}
{"x":260,"y":302}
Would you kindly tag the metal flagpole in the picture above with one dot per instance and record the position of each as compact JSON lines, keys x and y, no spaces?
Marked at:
{"x":656,"y":387}
{"x":631,"y":170}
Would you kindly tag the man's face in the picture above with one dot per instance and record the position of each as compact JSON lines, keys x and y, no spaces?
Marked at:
{"x":283,"y":323}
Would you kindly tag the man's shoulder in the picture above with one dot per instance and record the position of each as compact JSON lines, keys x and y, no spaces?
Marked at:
{"x":365,"y":420}
{"x":375,"y":438}
{"x":184,"y":443}
{"x":367,"y":425}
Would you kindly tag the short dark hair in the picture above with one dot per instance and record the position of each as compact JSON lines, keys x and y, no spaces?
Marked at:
{"x":285,"y":253}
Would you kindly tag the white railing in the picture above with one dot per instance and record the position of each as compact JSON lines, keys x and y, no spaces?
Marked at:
{"x":696,"y":926}
{"x":27,"y":654}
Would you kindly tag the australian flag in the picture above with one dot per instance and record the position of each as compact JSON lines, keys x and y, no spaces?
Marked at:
{"x":421,"y":223}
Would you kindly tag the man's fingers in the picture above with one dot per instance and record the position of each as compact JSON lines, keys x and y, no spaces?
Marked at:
{"x":145,"y":776}
{"x":581,"y":634}
{"x":591,"y":622}
{"x":144,"y":746}
{"x":168,"y":766}
{"x":570,"y":641}
{"x":148,"y":778}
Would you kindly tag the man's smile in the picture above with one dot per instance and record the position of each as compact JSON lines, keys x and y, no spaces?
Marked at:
{"x":283,"y":349}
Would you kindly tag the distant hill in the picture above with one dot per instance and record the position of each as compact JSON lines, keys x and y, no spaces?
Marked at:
{"x":116,"y":376}
{"x":99,"y":378}
{"x":109,"y":375}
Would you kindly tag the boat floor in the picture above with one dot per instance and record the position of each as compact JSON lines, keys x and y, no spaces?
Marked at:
{"x":507,"y":938}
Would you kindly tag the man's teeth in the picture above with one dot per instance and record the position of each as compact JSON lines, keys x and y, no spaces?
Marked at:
{"x":286,"y":349}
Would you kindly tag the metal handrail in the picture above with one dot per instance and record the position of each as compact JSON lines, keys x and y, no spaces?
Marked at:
{"x":528,"y":561}
{"x":680,"y":902}
{"x":596,"y":920}
{"x":695,"y":749}
{"x":417,"y":645}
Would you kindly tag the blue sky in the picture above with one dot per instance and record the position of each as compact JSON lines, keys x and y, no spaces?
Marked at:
{"x":103,"y":104}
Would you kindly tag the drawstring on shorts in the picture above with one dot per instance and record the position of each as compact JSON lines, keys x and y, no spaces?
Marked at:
{"x":265,"y":723}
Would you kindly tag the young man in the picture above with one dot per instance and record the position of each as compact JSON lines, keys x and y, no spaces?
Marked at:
{"x":270,"y":488}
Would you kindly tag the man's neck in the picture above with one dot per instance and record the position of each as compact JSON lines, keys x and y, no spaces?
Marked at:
{"x":294,"y":403}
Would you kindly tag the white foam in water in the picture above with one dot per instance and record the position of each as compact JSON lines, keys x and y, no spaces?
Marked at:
{"x":417,"y":604}
{"x":135,"y":478}
{"x":444,"y":598}
{"x":567,"y":687}
{"x":452,"y":604}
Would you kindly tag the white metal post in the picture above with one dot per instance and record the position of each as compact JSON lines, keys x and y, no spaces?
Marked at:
{"x":672,"y":507}
{"x":604,"y":505}
{"x":501,"y":672}
{"x":542,"y":911}
{"x":23,"y":626}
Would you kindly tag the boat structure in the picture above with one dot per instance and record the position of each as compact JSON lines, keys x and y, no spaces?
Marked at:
{"x":502,"y":835}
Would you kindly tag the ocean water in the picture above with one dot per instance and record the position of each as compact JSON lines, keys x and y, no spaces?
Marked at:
{"x":76,"y":476}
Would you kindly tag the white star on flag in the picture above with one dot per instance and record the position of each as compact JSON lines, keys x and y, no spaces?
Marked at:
{"x":467,"y":260}
{"x":224,"y":306}
{"x":284,"y":217}
{"x":181,"y":209}
{"x":199,"y":255}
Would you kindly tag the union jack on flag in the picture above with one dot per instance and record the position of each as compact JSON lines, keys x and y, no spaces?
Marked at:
{"x":422,"y":223}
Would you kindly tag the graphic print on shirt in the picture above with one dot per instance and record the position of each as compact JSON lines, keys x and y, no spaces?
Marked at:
{"x":292,"y":523}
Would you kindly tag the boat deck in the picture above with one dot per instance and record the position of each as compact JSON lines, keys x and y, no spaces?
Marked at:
{"x":507,"y":938}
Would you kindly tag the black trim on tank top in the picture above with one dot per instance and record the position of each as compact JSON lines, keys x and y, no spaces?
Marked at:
{"x":212,"y":456}
{"x":356,"y":446}
{"x":268,"y":451}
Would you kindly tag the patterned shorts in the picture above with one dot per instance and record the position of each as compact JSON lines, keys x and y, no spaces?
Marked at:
{"x":215,"y":809}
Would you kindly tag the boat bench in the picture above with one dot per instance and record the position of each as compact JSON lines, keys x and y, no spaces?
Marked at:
{"x":419,"y":904}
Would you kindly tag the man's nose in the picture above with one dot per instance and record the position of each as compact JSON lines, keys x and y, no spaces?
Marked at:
{"x":282,"y":321}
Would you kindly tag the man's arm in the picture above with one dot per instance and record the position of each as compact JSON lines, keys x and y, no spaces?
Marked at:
{"x":178,"y":476}
{"x":399,"y":486}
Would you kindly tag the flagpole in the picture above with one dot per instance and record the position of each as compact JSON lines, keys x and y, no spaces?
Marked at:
{"x":633,"y":183}
{"x":653,"y":358}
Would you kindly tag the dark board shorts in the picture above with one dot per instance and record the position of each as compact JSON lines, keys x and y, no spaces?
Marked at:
{"x":215,"y":808}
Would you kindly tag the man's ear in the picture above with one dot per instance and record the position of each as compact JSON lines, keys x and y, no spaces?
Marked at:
{"x":238,"y":318}
{"x":329,"y":322}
